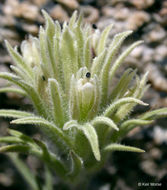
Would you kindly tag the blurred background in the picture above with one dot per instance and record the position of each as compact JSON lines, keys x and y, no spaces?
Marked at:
{"x":148,"y":20}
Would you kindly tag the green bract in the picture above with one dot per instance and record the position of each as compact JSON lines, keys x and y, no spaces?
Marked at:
{"x":68,"y":73}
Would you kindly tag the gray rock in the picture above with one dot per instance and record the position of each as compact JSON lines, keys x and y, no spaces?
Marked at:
{"x":157,"y":34}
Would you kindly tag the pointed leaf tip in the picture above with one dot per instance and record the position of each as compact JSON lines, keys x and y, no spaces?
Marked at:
{"x":119,"y":147}
{"x":105,"y":121}
{"x":44,"y":13}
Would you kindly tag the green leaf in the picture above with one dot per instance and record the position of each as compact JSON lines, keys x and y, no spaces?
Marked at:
{"x":119,"y":147}
{"x":68,"y":55}
{"x":48,"y":180}
{"x":16,"y":133}
{"x":122,"y":86}
{"x":101,"y":120}
{"x":79,"y":21}
{"x":22,"y":137}
{"x":104,"y":75}
{"x":138,"y":93}
{"x":103,"y":39}
{"x":50,"y":26}
{"x":128,"y":125}
{"x":50,"y":32}
{"x":97,"y":98}
{"x":44,"y":53}
{"x":57,"y":165}
{"x":14,"y":113}
{"x":18,"y":59}
{"x":80,"y":41}
{"x":57,"y":56}
{"x":98,"y":62}
{"x":136,"y":122}
{"x":141,"y":87}
{"x":21,"y":148}
{"x":15,"y":148}
{"x":9,"y":139}
{"x":76,"y":165}
{"x":90,"y":134}
{"x":20,"y":73}
{"x":87,"y":57}
{"x":117,"y":42}
{"x":45,"y":125}
{"x":121,"y":102}
{"x":25,"y":171}
{"x":70,"y":124}
{"x":74,"y":111}
{"x":31,"y":92}
{"x":11,"y":89}
{"x":57,"y":101}
{"x":121,"y":58}
{"x":45,"y":152}
{"x":155,"y":114}
{"x":73,"y":20}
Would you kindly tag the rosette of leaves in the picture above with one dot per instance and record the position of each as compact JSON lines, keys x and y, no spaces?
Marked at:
{"x":67,"y":73}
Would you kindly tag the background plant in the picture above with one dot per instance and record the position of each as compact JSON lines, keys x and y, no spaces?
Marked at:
{"x":68,"y":74}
